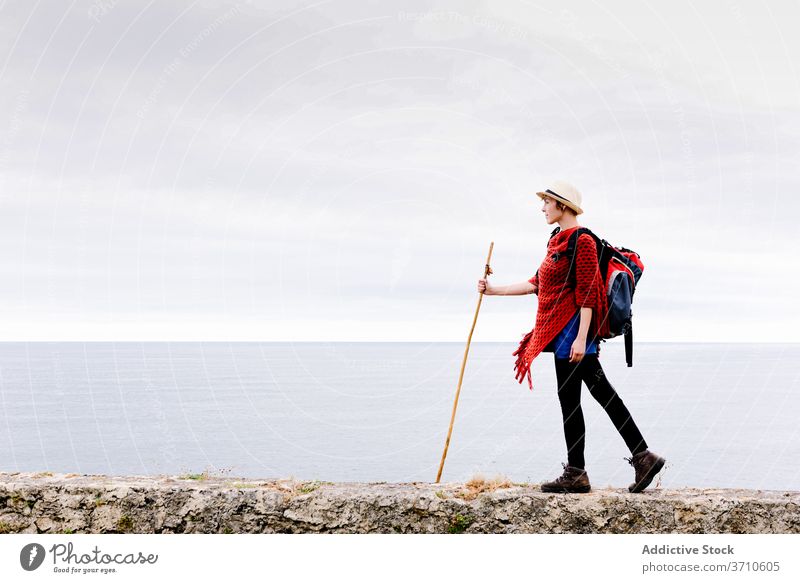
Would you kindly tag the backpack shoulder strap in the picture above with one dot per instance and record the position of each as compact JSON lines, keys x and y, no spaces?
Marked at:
{"x":573,"y":239}
{"x":629,"y":344}
{"x":573,"y":243}
{"x":555,"y":232}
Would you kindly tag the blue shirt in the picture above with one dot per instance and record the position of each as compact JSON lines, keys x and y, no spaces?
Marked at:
{"x":562,"y":343}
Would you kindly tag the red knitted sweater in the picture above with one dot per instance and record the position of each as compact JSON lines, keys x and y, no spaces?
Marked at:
{"x":558,"y":300}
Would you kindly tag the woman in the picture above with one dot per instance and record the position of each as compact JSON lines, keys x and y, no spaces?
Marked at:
{"x":569,"y":318}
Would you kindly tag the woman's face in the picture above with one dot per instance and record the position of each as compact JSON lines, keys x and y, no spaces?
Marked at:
{"x":550,"y":210}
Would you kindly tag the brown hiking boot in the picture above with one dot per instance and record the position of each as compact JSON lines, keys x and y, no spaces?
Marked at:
{"x":573,"y":480}
{"x":647,"y":465}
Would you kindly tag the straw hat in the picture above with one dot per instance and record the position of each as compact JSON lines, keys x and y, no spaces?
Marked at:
{"x":563,"y":191}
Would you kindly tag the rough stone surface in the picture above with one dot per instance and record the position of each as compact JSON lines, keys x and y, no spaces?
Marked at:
{"x":71,"y":503}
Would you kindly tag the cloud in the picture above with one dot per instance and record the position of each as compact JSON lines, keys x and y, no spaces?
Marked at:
{"x":333,"y":166}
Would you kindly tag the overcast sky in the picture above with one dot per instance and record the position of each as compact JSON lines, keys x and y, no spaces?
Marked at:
{"x":274,"y":170}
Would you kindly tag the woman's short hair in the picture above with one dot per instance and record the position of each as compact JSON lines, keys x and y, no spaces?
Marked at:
{"x":561,"y":206}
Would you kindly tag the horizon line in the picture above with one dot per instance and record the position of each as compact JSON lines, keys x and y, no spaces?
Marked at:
{"x":380,"y":341}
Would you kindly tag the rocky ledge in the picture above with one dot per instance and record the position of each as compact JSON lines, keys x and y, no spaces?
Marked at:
{"x":71,"y":503}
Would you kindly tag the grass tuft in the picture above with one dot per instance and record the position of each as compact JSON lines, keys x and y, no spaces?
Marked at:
{"x":125,"y":523}
{"x":199,"y":477}
{"x":478,"y":485}
{"x":460,"y":523}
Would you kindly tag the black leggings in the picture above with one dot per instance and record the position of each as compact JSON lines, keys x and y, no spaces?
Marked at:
{"x":588,"y":370}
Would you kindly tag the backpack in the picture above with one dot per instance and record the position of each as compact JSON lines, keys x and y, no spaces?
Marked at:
{"x":620,"y":269}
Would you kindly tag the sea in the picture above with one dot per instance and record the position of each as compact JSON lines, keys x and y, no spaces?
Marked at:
{"x":723,"y":415}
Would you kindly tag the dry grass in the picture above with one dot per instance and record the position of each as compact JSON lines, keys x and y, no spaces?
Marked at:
{"x":477,"y":485}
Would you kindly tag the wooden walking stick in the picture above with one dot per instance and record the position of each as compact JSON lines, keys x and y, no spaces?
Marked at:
{"x":486,"y":273}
